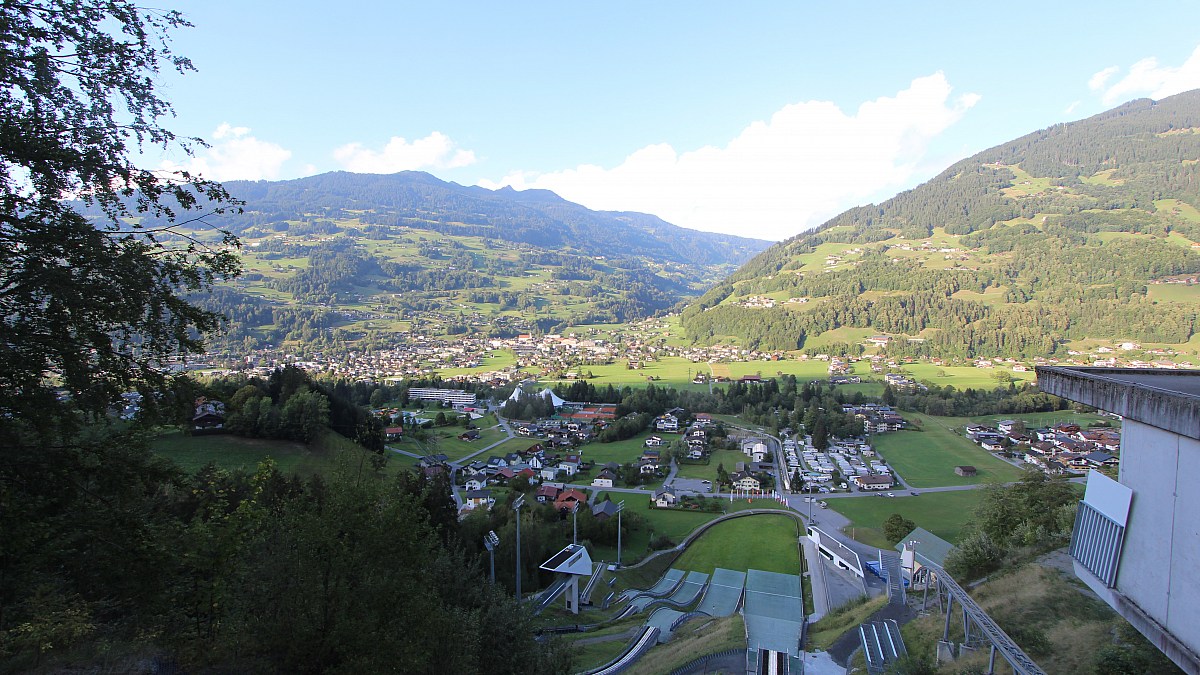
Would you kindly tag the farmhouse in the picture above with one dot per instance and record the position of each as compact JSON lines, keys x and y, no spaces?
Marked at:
{"x":965,"y":470}
{"x":744,"y":481}
{"x":665,"y":497}
{"x":604,"y":479}
{"x":873,"y":482}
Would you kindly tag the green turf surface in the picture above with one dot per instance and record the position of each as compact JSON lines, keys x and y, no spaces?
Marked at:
{"x":728,"y":458}
{"x":234,"y":452}
{"x":926,"y":458}
{"x":942,"y":513}
{"x":623,"y":452}
{"x":654,"y":522}
{"x":755,"y":542}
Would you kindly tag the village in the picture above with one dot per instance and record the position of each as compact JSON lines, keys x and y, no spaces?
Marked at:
{"x":415,"y":356}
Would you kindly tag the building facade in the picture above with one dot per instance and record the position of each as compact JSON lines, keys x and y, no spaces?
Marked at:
{"x":1136,"y":541}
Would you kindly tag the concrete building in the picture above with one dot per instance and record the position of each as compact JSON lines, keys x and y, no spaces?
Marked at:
{"x":1136,"y":542}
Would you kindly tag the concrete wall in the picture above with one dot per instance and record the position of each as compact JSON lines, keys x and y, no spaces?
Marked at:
{"x":1160,"y":561}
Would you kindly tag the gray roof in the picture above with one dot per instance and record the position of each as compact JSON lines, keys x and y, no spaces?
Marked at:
{"x":932,"y":548}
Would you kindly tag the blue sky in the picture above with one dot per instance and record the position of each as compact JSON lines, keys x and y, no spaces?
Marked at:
{"x":762,"y":119}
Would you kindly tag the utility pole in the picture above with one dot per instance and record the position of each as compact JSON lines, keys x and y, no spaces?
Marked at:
{"x":575,"y":524}
{"x":517,"y":507}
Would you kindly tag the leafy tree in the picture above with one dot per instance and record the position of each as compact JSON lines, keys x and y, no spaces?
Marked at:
{"x":896,"y":526}
{"x":96,"y":298}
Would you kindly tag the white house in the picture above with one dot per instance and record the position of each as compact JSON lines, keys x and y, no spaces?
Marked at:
{"x":665,"y":497}
{"x":604,"y":479}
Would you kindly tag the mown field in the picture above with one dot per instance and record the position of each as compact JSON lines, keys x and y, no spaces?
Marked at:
{"x":673,"y":523}
{"x":755,"y":542}
{"x":942,"y":513}
{"x":926,"y":457}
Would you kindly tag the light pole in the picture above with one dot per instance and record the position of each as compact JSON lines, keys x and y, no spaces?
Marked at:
{"x":575,"y":524}
{"x":517,"y":507}
{"x":912,"y":568}
{"x":620,"y":508}
{"x":490,"y":541}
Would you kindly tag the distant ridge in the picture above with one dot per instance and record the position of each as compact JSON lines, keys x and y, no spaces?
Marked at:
{"x":536,"y":217}
{"x":1060,"y":236}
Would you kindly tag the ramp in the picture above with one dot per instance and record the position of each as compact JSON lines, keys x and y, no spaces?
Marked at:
{"x":664,"y":619}
{"x":685,"y":594}
{"x":724,"y":594}
{"x":637,"y":648}
{"x":550,"y":594}
{"x":774,"y":612}
{"x":881,"y":643}
{"x":665,"y":585}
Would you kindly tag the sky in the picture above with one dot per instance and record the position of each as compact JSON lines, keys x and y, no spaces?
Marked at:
{"x":761,"y":119}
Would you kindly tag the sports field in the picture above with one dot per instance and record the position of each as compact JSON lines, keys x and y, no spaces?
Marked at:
{"x":926,"y":456}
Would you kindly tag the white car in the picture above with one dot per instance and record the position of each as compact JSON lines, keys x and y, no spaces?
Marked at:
{"x":891,"y":494}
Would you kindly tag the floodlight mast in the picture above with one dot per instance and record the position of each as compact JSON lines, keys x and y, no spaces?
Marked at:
{"x":620,"y":508}
{"x":517,"y":507}
{"x":490,"y":541}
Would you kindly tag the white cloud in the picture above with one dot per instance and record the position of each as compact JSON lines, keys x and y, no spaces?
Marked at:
{"x":435,"y":151}
{"x":1071,"y":108}
{"x":1097,"y":81}
{"x":234,"y":155}
{"x":1148,"y":78}
{"x":777,"y":178}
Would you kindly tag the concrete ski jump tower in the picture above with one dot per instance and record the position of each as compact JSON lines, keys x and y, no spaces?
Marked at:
{"x":575,"y":563}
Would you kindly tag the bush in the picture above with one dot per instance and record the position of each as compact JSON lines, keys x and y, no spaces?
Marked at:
{"x":975,"y":556}
{"x":661,"y":542}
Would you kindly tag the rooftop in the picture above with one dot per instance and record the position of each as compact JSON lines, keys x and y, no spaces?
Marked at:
{"x":1167,"y":399}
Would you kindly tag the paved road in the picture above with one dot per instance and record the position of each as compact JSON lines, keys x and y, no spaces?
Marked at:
{"x":460,"y":463}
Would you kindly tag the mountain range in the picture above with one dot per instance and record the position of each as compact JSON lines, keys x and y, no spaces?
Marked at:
{"x":1072,"y":236}
{"x":345,"y":258}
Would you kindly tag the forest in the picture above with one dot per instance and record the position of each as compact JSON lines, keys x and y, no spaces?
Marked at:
{"x":1069,"y":226}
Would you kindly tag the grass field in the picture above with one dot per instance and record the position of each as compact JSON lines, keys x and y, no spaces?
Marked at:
{"x":728,"y":458}
{"x":756,"y":542}
{"x":963,"y":376}
{"x":620,"y":452}
{"x":927,"y":458}
{"x":673,"y":523}
{"x":942,"y":513}
{"x":233,"y":452}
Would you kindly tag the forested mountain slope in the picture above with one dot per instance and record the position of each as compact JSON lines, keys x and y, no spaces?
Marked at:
{"x":345,"y":258}
{"x":1088,"y":230}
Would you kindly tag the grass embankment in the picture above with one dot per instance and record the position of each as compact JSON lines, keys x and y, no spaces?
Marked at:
{"x":672,"y":523}
{"x":327,"y":454}
{"x":1059,"y":625}
{"x":942,"y":513}
{"x":692,"y":640}
{"x":756,"y":542}
{"x":234,"y":452}
{"x":823,"y":633}
{"x":595,"y":648}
